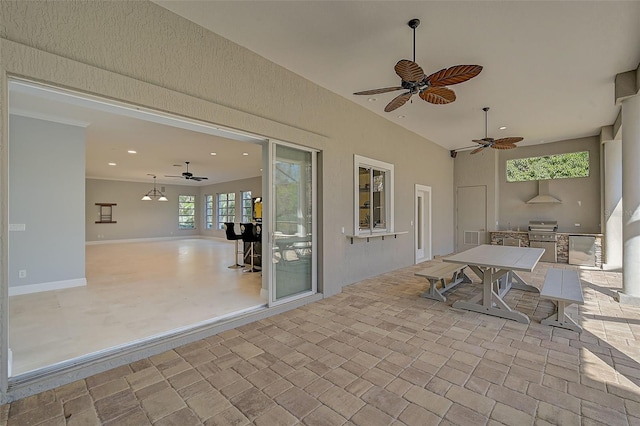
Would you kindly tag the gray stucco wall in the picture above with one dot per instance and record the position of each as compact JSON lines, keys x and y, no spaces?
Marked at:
{"x":580,"y":196}
{"x":506,"y":201}
{"x":140,"y":53}
{"x":47,"y":196}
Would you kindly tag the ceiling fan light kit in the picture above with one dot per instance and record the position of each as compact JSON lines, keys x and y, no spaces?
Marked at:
{"x":429,"y":88}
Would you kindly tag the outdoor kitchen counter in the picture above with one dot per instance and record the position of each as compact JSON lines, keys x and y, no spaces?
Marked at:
{"x":562,"y":244}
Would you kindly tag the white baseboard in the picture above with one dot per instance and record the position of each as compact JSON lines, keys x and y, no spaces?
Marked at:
{"x":149,"y":240}
{"x":53,"y":285}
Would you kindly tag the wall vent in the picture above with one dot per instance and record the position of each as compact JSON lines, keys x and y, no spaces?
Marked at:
{"x":472,"y":238}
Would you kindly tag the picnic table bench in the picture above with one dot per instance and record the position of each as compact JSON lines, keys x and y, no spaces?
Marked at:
{"x":447,"y":274}
{"x":564,"y":288}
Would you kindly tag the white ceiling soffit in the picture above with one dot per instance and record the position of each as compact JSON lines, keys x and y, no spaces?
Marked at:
{"x":162,"y":143}
{"x":549,"y":66}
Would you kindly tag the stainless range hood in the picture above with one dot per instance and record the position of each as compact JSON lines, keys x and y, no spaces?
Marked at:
{"x":543,"y":194}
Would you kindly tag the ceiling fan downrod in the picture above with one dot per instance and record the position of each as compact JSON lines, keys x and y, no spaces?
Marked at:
{"x":413,"y":24}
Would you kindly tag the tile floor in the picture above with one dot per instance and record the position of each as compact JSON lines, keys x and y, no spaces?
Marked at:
{"x":134,"y":291}
{"x":378,"y":354}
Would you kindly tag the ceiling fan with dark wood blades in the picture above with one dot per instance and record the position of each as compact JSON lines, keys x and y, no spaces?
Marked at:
{"x":430,"y":88}
{"x":487,"y":142}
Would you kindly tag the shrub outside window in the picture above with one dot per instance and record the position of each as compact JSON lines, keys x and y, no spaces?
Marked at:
{"x":560,"y":166}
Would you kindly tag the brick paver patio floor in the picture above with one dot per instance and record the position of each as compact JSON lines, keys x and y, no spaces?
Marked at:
{"x":379,"y":354}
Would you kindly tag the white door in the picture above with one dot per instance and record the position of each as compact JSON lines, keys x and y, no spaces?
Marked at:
{"x":471,"y":216}
{"x":423,"y":223}
{"x":292,"y":220}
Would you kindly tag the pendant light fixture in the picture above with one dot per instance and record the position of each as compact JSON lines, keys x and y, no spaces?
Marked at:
{"x":154,"y":193}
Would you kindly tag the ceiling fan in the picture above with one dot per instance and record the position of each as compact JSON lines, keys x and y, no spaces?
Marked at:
{"x":430,"y":88}
{"x":188,"y":175}
{"x":487,"y":142}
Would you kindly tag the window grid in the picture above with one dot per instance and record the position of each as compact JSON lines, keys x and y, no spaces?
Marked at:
{"x":186,"y":212}
{"x":209,"y":211}
{"x":247,"y":206}
{"x":226,"y":208}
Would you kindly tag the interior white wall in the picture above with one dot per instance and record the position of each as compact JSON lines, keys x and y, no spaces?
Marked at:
{"x":136,"y":218}
{"x":46,"y":194}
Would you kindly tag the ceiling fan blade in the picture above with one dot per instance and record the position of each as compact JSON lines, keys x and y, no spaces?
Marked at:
{"x":477,"y":150}
{"x":438,"y":95}
{"x":173,"y":176}
{"x":454,"y":75}
{"x":508,"y":140}
{"x":397,"y":102}
{"x":483,"y":140}
{"x":409,"y":71}
{"x":198,"y":178}
{"x":378,"y":91}
{"x":504,"y":146}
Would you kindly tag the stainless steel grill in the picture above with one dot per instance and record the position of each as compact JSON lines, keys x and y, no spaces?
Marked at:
{"x":543,"y":231}
{"x":543,"y":234}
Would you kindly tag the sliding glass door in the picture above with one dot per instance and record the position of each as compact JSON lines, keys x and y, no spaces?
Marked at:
{"x":293,"y":222}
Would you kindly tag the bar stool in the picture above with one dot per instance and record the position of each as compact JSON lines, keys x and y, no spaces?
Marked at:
{"x":232,"y":236}
{"x":249,"y":235}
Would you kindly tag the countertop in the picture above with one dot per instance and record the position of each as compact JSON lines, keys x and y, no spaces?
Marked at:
{"x":593,"y":234}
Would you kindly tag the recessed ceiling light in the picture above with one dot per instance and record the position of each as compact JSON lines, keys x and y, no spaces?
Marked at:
{"x":502,"y":128}
{"x":372,"y":99}
{"x":401,"y":116}
{"x":112,"y":164}
{"x":132,"y":151}
{"x":245,"y":153}
{"x":214,"y":153}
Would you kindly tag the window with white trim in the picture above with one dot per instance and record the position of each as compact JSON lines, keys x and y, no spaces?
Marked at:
{"x":186,"y":212}
{"x":247,"y":206}
{"x":209,"y":210}
{"x":226,"y":208}
{"x":373,"y":196}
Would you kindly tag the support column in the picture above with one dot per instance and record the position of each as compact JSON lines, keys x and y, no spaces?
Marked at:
{"x":630,"y":293}
{"x":612,"y":203}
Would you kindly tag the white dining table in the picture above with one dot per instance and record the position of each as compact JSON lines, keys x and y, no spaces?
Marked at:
{"x":497,"y":266}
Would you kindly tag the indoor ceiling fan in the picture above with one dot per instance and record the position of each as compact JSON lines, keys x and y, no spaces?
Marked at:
{"x":487,"y":142}
{"x":430,"y":88}
{"x":188,"y":175}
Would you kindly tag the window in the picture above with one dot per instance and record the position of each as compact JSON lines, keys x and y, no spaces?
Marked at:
{"x":226,"y":208}
{"x":208,"y":211}
{"x":247,"y":210}
{"x":186,"y":212}
{"x":560,"y":166}
{"x":373,"y":196}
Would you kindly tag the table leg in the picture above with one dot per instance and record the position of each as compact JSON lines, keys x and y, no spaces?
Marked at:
{"x":491,"y":302}
{"x":518,"y":283}
{"x":561,"y":319}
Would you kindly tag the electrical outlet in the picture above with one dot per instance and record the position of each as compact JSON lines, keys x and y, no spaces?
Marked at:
{"x":22,"y":273}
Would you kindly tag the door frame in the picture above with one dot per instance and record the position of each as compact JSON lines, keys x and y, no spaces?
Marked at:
{"x":269,"y":220}
{"x":428,"y":255}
